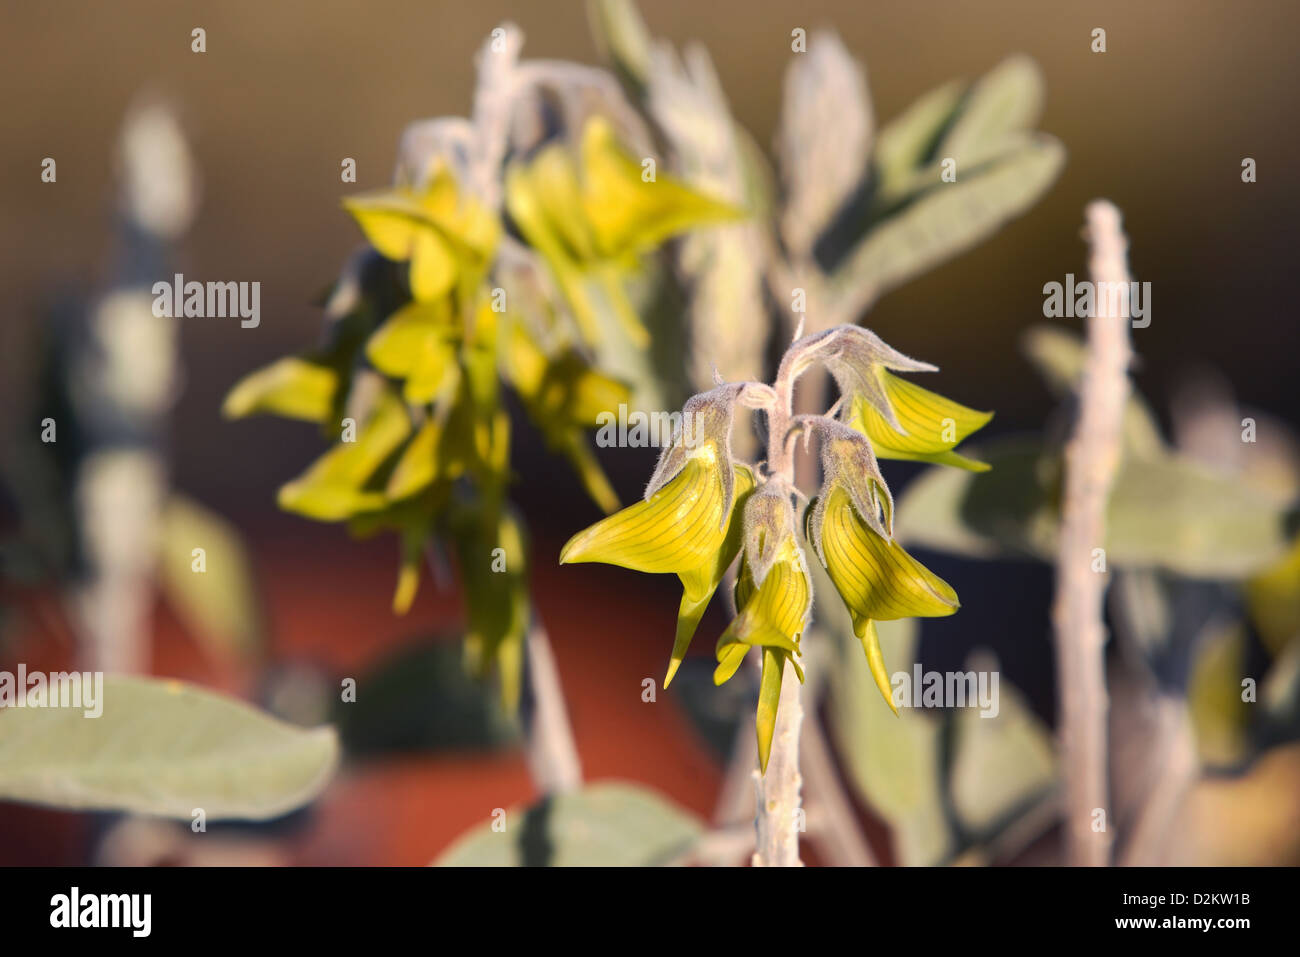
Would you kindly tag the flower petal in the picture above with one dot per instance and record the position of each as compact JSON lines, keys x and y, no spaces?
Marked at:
{"x":931,"y":424}
{"x":680,"y":528}
{"x":875,"y":577}
{"x":875,"y":659}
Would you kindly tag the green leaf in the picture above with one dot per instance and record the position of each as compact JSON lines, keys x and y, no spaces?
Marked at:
{"x":1164,"y":512}
{"x":604,"y":825}
{"x":909,"y":141}
{"x":947,"y":218}
{"x":164,"y":748}
{"x":1003,"y":763}
{"x":218,"y":604}
{"x":621,"y":37}
{"x":894,"y":763}
{"x":1006,"y":100}
{"x":824,"y":138}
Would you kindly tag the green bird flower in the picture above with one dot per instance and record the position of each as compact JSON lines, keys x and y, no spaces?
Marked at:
{"x":773,"y":602}
{"x":902,"y":419}
{"x":850,"y":525}
{"x":687,"y":523}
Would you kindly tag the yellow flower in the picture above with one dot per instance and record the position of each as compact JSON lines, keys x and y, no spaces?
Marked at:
{"x":591,"y":216}
{"x":419,"y":343}
{"x":773,"y":601}
{"x":685,"y":528}
{"x":342,"y":482}
{"x":929,"y":426}
{"x":687,"y":523}
{"x":446,"y":236}
{"x":875,"y":577}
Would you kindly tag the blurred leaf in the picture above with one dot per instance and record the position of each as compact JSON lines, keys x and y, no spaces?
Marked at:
{"x":164,"y":748}
{"x":909,"y":141}
{"x":621,"y":37}
{"x":219,"y":605}
{"x":603,"y":825}
{"x":1164,"y":512}
{"x":1058,"y":356}
{"x":824,"y":138}
{"x":422,"y":699}
{"x":1002,"y":764}
{"x":946,"y":218}
{"x":1005,"y":100}
{"x":894,"y":763}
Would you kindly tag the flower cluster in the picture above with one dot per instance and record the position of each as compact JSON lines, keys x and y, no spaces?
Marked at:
{"x":429,"y":323}
{"x":702,"y":511}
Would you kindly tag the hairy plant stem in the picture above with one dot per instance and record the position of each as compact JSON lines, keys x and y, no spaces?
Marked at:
{"x":1091,"y":461}
{"x":777,"y":793}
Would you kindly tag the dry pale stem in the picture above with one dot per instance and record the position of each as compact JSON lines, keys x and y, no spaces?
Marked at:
{"x":1091,"y":461}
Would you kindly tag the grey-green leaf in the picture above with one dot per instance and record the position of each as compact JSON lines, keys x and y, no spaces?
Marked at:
{"x":1005,"y":100}
{"x":946,"y":218}
{"x":1003,"y":762}
{"x":824,"y":138}
{"x":894,"y":763}
{"x":1164,"y":512}
{"x":610,"y":824}
{"x":909,"y":140}
{"x":164,"y":748}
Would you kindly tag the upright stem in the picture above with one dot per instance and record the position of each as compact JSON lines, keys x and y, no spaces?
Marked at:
{"x":1091,"y":461}
{"x":777,"y":793}
{"x":551,"y":751}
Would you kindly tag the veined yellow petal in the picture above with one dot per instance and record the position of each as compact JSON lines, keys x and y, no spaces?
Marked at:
{"x":292,"y":387}
{"x":932,"y":424}
{"x":680,"y":528}
{"x":699,"y":585}
{"x":784,"y":597}
{"x":876,"y":578}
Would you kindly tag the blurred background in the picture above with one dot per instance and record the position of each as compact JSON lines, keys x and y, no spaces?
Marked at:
{"x":1159,"y":123}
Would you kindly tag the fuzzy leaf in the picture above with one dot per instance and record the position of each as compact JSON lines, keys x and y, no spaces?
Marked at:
{"x":608,"y":824}
{"x":165,"y":748}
